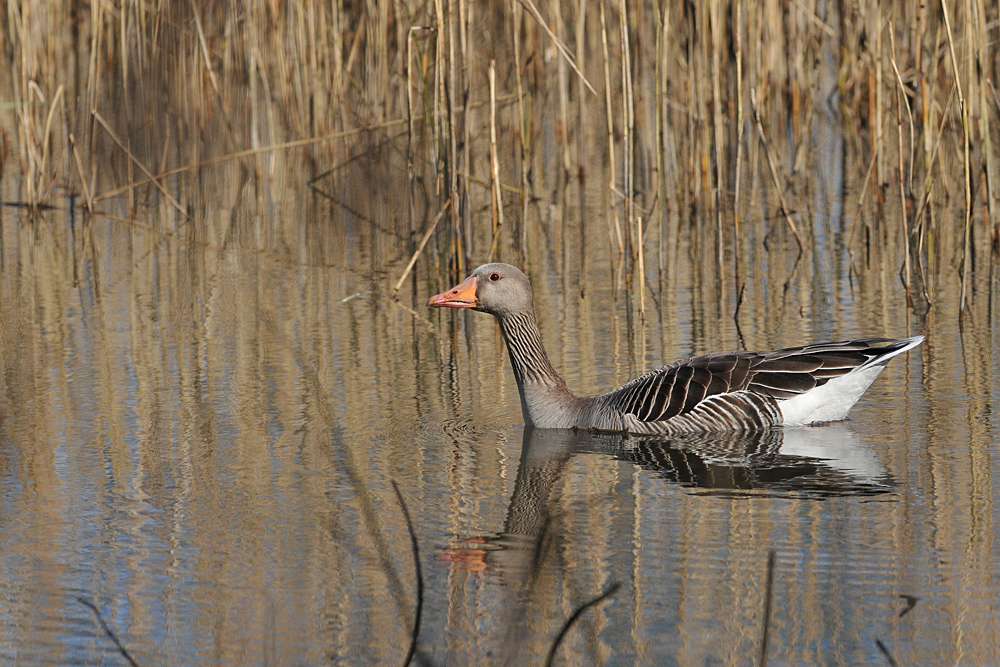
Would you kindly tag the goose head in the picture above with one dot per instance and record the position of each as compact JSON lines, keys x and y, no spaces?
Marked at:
{"x":498,"y":289}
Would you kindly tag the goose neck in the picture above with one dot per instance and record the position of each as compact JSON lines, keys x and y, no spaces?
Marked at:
{"x":527,"y":354}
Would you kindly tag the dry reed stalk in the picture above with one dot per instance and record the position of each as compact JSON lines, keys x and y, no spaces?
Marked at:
{"x":936,"y":117}
{"x":663,"y":29}
{"x":921,"y":78}
{"x":563,"y":92}
{"x":40,"y":192}
{"x":659,"y":101}
{"x":793,"y":79}
{"x":93,"y":83}
{"x":451,"y":83}
{"x":439,"y":93}
{"x":409,"y":132}
{"x":982,"y":58}
{"x":738,"y":29}
{"x":131,"y":179}
{"x":918,"y":223}
{"x":581,"y":109}
{"x":516,"y":19}
{"x":381,"y":69}
{"x":581,"y":144}
{"x":874,"y":114}
{"x":755,"y":80}
{"x":628,"y":123}
{"x":720,"y":184}
{"x":83,"y":177}
{"x":868,"y":174}
{"x":900,"y":95}
{"x":465,"y":11}
{"x":613,"y":179}
{"x":201,"y":42}
{"x":23,"y":92}
{"x":352,"y":55}
{"x":4,"y":148}
{"x":494,"y":163}
{"x":879,"y":165}
{"x":698,"y":162}
{"x":966,"y":164}
{"x":642,"y":274}
{"x":773,"y":169}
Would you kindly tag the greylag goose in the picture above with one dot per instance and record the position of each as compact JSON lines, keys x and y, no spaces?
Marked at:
{"x":723,"y":391}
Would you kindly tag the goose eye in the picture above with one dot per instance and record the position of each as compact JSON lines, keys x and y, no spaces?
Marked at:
{"x":494,"y":277}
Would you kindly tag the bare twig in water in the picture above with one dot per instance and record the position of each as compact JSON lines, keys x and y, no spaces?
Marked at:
{"x":107,"y":630}
{"x":911,"y":602}
{"x":773,"y":169}
{"x":298,"y":143}
{"x":420,"y":248}
{"x":420,"y":576}
{"x":555,"y":40}
{"x":83,"y":178}
{"x":572,"y":619}
{"x":417,"y":316}
{"x":885,"y":651}
{"x":152,"y":179}
{"x":736,"y":316}
{"x":312,"y":182}
{"x":768,"y":595}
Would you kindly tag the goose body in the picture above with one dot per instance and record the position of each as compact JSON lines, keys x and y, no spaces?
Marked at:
{"x":722,"y":391}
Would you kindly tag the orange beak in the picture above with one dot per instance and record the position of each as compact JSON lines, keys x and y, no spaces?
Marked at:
{"x":462,"y":295}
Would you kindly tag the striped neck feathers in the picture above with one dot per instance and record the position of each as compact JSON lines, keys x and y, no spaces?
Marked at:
{"x":527,"y":354}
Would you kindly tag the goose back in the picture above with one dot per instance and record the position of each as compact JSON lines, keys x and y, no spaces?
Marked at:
{"x":736,"y":390}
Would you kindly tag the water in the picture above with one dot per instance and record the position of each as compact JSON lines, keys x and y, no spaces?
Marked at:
{"x":200,"y":425}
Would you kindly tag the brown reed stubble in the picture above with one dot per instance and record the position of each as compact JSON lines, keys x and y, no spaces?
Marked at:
{"x":277,"y":74}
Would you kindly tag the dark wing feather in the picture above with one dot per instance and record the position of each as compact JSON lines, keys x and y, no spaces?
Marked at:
{"x":676,"y":389}
{"x":679,"y":388}
{"x":781,"y":384}
{"x":795,"y":370}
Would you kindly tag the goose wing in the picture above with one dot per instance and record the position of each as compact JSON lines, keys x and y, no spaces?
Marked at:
{"x":677,"y":389}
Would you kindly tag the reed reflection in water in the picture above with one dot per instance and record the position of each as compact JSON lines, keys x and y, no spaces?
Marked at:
{"x":200,"y":440}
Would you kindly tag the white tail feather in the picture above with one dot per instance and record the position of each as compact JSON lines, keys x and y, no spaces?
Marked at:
{"x":833,"y":400}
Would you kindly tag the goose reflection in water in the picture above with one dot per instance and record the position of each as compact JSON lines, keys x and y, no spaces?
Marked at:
{"x":819,"y":462}
{"x":809,"y":463}
{"x":804,"y":462}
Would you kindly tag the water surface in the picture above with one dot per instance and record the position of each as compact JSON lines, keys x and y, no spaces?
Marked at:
{"x":200,"y":426}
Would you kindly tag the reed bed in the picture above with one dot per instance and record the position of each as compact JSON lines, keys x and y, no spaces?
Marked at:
{"x":496,"y":107}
